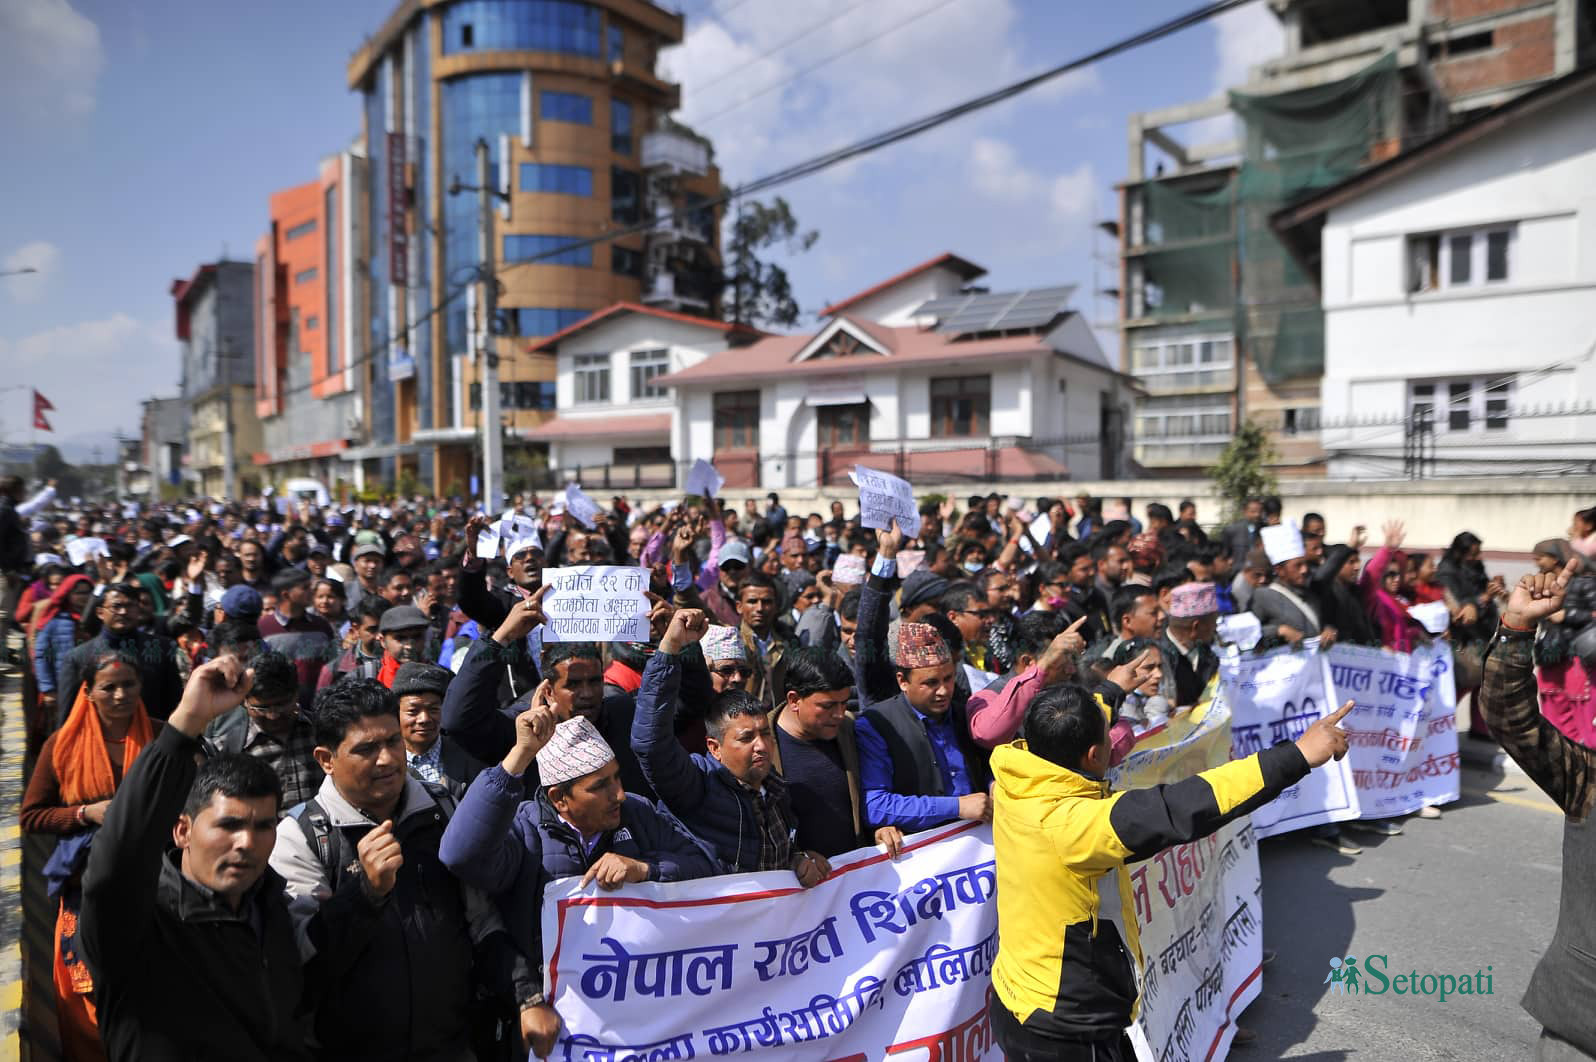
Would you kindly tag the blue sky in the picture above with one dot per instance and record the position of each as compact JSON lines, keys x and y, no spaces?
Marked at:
{"x":143,"y":139}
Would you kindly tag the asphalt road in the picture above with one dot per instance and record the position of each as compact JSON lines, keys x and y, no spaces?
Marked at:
{"x":1478,"y":886}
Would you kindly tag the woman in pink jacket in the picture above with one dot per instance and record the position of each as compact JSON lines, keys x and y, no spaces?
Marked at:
{"x":1380,"y":583}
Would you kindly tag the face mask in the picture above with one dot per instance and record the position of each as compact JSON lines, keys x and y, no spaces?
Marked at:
{"x":973,"y":566}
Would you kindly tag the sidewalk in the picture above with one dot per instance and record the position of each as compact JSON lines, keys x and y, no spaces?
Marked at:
{"x":13,"y":746}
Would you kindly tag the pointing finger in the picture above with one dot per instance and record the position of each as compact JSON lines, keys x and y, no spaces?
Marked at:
{"x":1072,"y":628}
{"x":1570,"y":570}
{"x":1340,"y":714}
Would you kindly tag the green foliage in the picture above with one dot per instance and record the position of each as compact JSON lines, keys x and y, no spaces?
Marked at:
{"x":758,"y":292}
{"x":1242,"y":471}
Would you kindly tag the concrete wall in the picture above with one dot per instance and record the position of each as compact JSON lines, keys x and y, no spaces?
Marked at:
{"x":896,"y":305}
{"x":1539,"y":325}
{"x":686,"y":344}
{"x":221,"y":323}
{"x":1433,"y":510}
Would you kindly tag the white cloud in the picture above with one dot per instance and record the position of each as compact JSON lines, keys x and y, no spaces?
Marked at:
{"x":94,"y":372}
{"x":1243,"y":38}
{"x":997,"y":172}
{"x":50,"y":60}
{"x":43,"y":257}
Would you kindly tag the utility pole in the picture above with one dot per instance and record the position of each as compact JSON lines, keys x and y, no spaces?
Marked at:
{"x":492,"y":442}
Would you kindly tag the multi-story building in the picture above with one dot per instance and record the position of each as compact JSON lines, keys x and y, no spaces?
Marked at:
{"x":565,"y":95}
{"x":918,"y":375}
{"x":158,"y":453}
{"x":1217,"y":320}
{"x":1459,"y":284}
{"x":308,"y":309}
{"x":216,"y":327}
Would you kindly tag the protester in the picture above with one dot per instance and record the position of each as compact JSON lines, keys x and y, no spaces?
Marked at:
{"x":581,"y":822}
{"x":430,"y":756}
{"x":272,"y":727}
{"x":1187,"y":645}
{"x":404,"y":638}
{"x":1065,"y":984}
{"x":155,"y":657}
{"x":153,"y":918}
{"x":79,"y":770}
{"x":292,"y":629}
{"x":59,"y":628}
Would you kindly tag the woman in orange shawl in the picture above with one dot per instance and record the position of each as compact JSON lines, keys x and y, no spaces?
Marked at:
{"x":79,"y":769}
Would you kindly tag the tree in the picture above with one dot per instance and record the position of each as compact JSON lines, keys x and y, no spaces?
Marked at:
{"x":757,"y":292}
{"x":48,"y":464}
{"x":1242,"y":471}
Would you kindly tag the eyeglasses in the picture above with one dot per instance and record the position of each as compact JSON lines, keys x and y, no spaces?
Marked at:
{"x":732,"y":671}
{"x":273,"y":711}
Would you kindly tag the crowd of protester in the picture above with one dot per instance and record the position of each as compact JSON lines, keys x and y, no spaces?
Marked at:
{"x":310,"y":769}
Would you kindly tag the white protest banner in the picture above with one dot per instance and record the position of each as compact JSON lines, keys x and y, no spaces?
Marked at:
{"x":1274,"y":697}
{"x":884,"y":958}
{"x":883,"y":498}
{"x":703,"y":480}
{"x":1402,"y":733}
{"x":82,"y":550}
{"x":849,"y":570}
{"x":583,"y":510}
{"x":1197,"y":905}
{"x":595,"y":603}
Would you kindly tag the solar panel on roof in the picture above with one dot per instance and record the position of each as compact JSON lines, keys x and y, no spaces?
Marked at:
{"x":1002,"y":311}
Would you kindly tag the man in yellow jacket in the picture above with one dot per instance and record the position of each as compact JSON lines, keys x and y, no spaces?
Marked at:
{"x":1065,"y":982}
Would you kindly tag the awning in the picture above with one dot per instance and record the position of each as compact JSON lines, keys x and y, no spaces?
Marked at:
{"x":845,"y":391}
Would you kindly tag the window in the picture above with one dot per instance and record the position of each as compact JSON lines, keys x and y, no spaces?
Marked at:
{"x":736,"y":420}
{"x":522,"y":25}
{"x":524,"y":247}
{"x":312,"y":323}
{"x":592,"y":377}
{"x":626,"y":196}
{"x":841,"y":426}
{"x":626,"y":261}
{"x":641,"y":455}
{"x":544,"y":321}
{"x":531,"y":394}
{"x":620,"y":127}
{"x":305,"y":276}
{"x":1180,"y":363}
{"x":961,"y":406}
{"x":302,"y":229}
{"x":1461,"y":406}
{"x":646,"y":365}
{"x":1460,"y":259}
{"x":1190,"y":419}
{"x":567,"y":107}
{"x":617,"y":42}
{"x":1299,"y":421}
{"x":559,"y":180}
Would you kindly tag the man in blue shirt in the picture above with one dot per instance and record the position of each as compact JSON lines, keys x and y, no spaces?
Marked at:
{"x":917,"y":762}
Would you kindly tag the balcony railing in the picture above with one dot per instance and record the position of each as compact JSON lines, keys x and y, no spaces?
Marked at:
{"x":675,"y":153}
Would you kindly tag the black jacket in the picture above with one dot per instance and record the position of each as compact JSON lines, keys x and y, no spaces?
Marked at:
{"x":16,"y":553}
{"x":177,"y":974}
{"x":160,"y":684}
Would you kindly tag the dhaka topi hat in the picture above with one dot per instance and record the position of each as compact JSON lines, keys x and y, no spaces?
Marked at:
{"x":576,"y":749}
{"x":919,"y":645}
{"x":1193,"y":600}
{"x":723,"y":643}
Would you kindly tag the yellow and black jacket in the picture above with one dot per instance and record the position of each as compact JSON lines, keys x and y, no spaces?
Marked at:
{"x":1070,"y":948}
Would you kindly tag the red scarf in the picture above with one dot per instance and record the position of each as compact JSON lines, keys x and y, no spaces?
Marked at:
{"x":390,"y":669}
{"x":619,"y":675}
{"x":58,"y":601}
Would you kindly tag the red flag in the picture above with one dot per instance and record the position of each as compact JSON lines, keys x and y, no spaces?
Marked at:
{"x":41,"y":406}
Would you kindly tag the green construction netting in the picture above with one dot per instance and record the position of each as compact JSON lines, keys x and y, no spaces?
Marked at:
{"x":1189,"y":266}
{"x":1298,"y":143}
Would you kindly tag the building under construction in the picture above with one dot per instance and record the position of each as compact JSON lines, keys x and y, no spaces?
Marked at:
{"x":1218,"y":323}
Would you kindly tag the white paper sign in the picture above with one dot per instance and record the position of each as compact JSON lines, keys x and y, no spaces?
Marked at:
{"x":596,"y":603}
{"x":82,"y":550}
{"x":884,"y":497}
{"x":747,"y":965}
{"x":1274,"y":697}
{"x":1040,"y":527}
{"x":703,"y":480}
{"x":488,"y":541}
{"x":1402,"y":731}
{"x":910,"y":561}
{"x":582,"y":508}
{"x":1433,"y":616}
{"x":1241,"y":630}
{"x":849,"y":570}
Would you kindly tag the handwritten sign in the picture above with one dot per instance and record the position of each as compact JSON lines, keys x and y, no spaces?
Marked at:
{"x":82,"y":550}
{"x":883,"y":498}
{"x":703,"y":480}
{"x":583,"y":510}
{"x":849,"y":570}
{"x":596,"y":603}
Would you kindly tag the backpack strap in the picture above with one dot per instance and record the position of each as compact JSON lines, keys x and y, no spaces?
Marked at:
{"x":325,"y":841}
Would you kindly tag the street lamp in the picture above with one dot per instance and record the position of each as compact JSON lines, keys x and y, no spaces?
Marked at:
{"x":17,"y":272}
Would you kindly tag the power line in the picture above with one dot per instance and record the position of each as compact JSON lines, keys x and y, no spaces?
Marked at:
{"x":837,"y":156}
{"x":784,"y":45}
{"x":828,"y":60}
